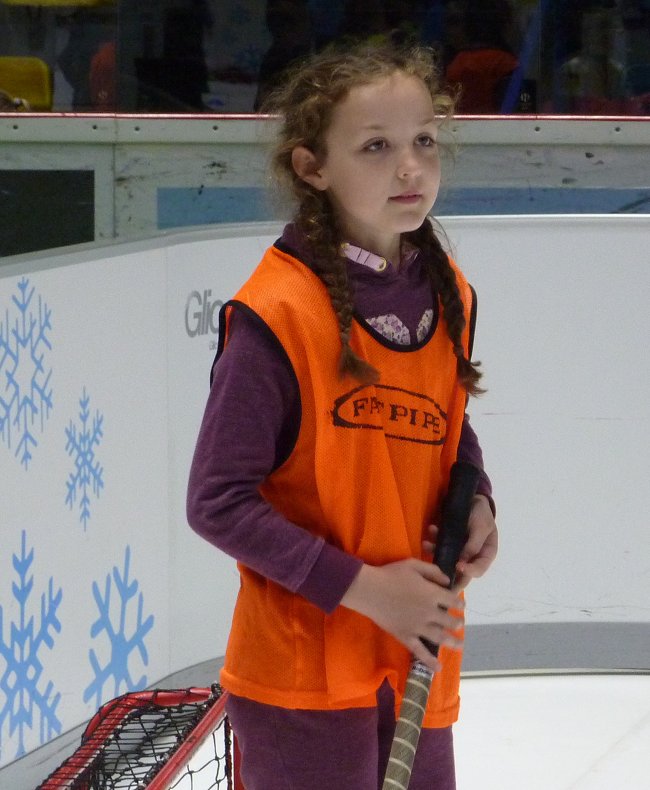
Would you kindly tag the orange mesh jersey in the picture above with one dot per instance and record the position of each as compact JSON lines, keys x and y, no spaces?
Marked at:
{"x":367,"y":473}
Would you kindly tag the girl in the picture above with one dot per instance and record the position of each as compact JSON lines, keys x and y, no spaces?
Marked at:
{"x":336,"y":410}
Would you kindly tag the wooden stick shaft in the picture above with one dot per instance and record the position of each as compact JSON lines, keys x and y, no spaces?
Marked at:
{"x":408,"y":727}
{"x":451,"y":539}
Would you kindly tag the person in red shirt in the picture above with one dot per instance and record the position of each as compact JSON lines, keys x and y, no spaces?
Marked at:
{"x":478,"y":32}
{"x":103,"y":78}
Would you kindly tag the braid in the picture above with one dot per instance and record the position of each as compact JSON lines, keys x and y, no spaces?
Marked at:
{"x":443,"y":281}
{"x":316,"y":219}
{"x":305,"y":101}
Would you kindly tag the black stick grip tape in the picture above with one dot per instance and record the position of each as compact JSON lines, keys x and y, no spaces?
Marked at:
{"x":452,"y":532}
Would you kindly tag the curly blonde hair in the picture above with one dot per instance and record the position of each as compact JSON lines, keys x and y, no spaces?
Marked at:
{"x":305,"y":103}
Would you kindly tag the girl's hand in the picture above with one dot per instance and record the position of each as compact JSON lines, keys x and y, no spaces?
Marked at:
{"x":481,"y":547}
{"x":409,"y":599}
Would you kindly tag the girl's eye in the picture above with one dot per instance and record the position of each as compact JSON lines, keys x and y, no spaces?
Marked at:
{"x":426,"y":141}
{"x":375,"y":145}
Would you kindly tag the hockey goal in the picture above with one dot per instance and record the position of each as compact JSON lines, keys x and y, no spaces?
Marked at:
{"x":159,"y":740}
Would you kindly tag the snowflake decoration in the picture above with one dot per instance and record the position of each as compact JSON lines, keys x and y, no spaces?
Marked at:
{"x":25,"y":392}
{"x":113,"y":622}
{"x":19,"y":685}
{"x":88,"y":473}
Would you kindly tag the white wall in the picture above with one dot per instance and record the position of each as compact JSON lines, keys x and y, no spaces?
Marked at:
{"x":563,"y":324}
{"x":563,"y":329}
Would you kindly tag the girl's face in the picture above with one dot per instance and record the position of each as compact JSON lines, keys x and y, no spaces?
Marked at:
{"x":382,"y":170}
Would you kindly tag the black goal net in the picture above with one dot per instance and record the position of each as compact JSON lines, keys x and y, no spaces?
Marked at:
{"x":159,"y":740}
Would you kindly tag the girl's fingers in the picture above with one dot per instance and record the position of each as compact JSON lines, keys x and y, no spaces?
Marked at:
{"x":420,"y":652}
{"x":475,"y":563}
{"x":429,"y":542}
{"x":432,"y":573}
{"x":437,"y":636}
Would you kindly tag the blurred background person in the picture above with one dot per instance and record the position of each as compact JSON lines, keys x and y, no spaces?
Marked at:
{"x":480,"y":59}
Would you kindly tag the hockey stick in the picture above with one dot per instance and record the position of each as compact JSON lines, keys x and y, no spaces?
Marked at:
{"x":452,"y":535}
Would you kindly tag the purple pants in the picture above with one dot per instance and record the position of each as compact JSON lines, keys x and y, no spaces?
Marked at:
{"x":319,"y":750}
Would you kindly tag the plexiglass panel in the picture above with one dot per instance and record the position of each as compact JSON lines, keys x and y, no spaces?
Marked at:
{"x":584,"y":57}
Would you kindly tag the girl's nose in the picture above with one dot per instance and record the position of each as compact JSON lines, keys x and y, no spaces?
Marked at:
{"x":408,"y":164}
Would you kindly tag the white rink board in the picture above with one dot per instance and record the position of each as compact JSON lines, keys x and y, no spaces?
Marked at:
{"x":562,"y":330}
{"x":562,"y":327}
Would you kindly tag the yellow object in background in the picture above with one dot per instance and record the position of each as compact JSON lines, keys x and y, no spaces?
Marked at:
{"x":27,"y":78}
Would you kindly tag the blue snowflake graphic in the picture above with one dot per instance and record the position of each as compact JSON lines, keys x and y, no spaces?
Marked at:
{"x":88,"y":473}
{"x":20,"y":684}
{"x":25,"y":391}
{"x":112,"y":621}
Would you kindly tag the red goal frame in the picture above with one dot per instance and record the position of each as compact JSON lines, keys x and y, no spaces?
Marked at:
{"x":105,"y":726}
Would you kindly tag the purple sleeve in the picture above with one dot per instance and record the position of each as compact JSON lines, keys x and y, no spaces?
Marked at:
{"x":252,"y":409}
{"x":469,"y":450}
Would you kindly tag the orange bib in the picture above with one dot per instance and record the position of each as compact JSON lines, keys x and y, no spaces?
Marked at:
{"x":367,"y":473}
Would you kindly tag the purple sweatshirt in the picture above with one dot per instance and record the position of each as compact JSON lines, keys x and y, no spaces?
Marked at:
{"x":251,"y":421}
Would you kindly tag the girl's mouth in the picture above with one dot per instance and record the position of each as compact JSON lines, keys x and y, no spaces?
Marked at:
{"x":407,"y":197}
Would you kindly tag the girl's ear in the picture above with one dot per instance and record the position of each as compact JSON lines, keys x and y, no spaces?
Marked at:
{"x":306,"y":167}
